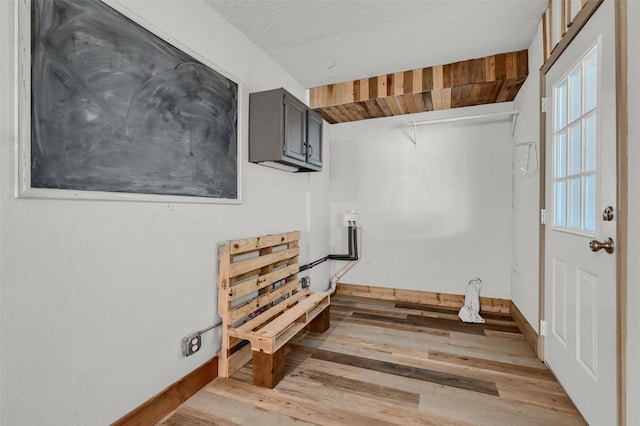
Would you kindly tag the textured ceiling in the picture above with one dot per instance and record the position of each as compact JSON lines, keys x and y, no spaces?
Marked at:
{"x":329,"y":41}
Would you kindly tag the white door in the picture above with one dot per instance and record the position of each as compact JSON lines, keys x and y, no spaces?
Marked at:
{"x":580,"y":284}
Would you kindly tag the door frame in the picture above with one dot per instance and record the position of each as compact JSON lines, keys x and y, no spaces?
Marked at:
{"x":621,"y":52}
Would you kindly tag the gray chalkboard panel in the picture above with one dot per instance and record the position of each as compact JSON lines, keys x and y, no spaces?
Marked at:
{"x":115,"y":108}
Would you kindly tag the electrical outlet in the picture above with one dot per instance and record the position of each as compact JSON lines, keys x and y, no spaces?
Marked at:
{"x":191,"y":344}
{"x":305,"y":282}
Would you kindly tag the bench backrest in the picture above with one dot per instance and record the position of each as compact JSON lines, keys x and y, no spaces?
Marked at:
{"x":255,"y":273}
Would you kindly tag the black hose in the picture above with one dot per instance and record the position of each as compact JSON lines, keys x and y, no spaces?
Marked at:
{"x":313,"y":264}
{"x":353,"y":251}
{"x":353,"y":247}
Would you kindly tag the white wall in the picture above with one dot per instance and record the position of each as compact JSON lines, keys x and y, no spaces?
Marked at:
{"x":633,"y":276}
{"x":435,"y":214}
{"x":526,"y":204}
{"x":95,"y":296}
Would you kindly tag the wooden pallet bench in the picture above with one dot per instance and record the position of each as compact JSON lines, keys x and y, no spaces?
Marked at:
{"x":261,"y":307}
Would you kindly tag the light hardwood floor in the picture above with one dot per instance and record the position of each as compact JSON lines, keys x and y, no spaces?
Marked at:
{"x":385,"y":363}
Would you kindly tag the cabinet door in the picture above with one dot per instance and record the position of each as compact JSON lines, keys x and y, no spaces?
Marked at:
{"x":295,"y":129}
{"x":314,"y":138}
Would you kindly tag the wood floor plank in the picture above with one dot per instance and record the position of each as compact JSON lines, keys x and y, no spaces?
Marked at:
{"x":419,"y":358}
{"x":485,"y":364}
{"x":479,"y":409}
{"x":501,"y":320}
{"x":392,"y":313}
{"x":390,"y":412}
{"x":451,"y":403}
{"x":551,"y":387}
{"x":516,"y":352}
{"x":507,"y":350}
{"x":396,"y":326}
{"x":426,"y":311}
{"x":365,"y":301}
{"x":559,"y":402}
{"x":219,"y":410}
{"x":415,"y":320}
{"x":504,"y":334}
{"x":453,"y":311}
{"x":189,"y":417}
{"x":360,"y":387}
{"x":385,"y":362}
{"x":402,"y":383}
{"x":297,"y":407}
{"x":422,"y":307}
{"x":409,"y":372}
{"x":440,"y":323}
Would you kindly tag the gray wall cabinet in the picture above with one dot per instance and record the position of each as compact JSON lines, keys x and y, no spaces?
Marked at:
{"x":284,"y":131}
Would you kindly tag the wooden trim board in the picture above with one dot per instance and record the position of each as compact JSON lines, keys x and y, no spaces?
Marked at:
{"x":578,"y":23}
{"x":172,"y":397}
{"x":542,"y":195}
{"x":487,"y":304}
{"x":622,"y":146}
{"x":529,"y":333}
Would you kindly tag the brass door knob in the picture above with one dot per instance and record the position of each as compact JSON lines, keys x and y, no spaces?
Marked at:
{"x":607,"y":245}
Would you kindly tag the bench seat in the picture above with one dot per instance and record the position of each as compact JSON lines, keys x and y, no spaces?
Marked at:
{"x":261,"y":307}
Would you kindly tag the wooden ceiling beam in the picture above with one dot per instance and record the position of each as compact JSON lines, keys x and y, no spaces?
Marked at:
{"x":491,"y":79}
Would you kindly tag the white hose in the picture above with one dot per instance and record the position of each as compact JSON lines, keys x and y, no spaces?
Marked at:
{"x":339,"y":274}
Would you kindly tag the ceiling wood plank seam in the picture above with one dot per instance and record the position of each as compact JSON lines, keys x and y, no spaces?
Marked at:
{"x":491,"y":79}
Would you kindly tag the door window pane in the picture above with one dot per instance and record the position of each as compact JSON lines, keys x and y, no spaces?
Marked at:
{"x":575,"y":94}
{"x":561,"y":155}
{"x":590,"y":143}
{"x":590,"y":203}
{"x":561,"y":103}
{"x":560,"y":203}
{"x":574,"y":203}
{"x":575,"y":148}
{"x":590,"y":83}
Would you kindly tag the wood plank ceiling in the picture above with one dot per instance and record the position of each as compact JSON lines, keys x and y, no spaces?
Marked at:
{"x":491,"y":79}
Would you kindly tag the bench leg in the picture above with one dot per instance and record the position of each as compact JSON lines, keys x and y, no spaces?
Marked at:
{"x":268,"y":369}
{"x":322,"y":322}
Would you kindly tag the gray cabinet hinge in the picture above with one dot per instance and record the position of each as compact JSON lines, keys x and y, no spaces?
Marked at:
{"x":543,"y":216}
{"x":543,"y":104}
